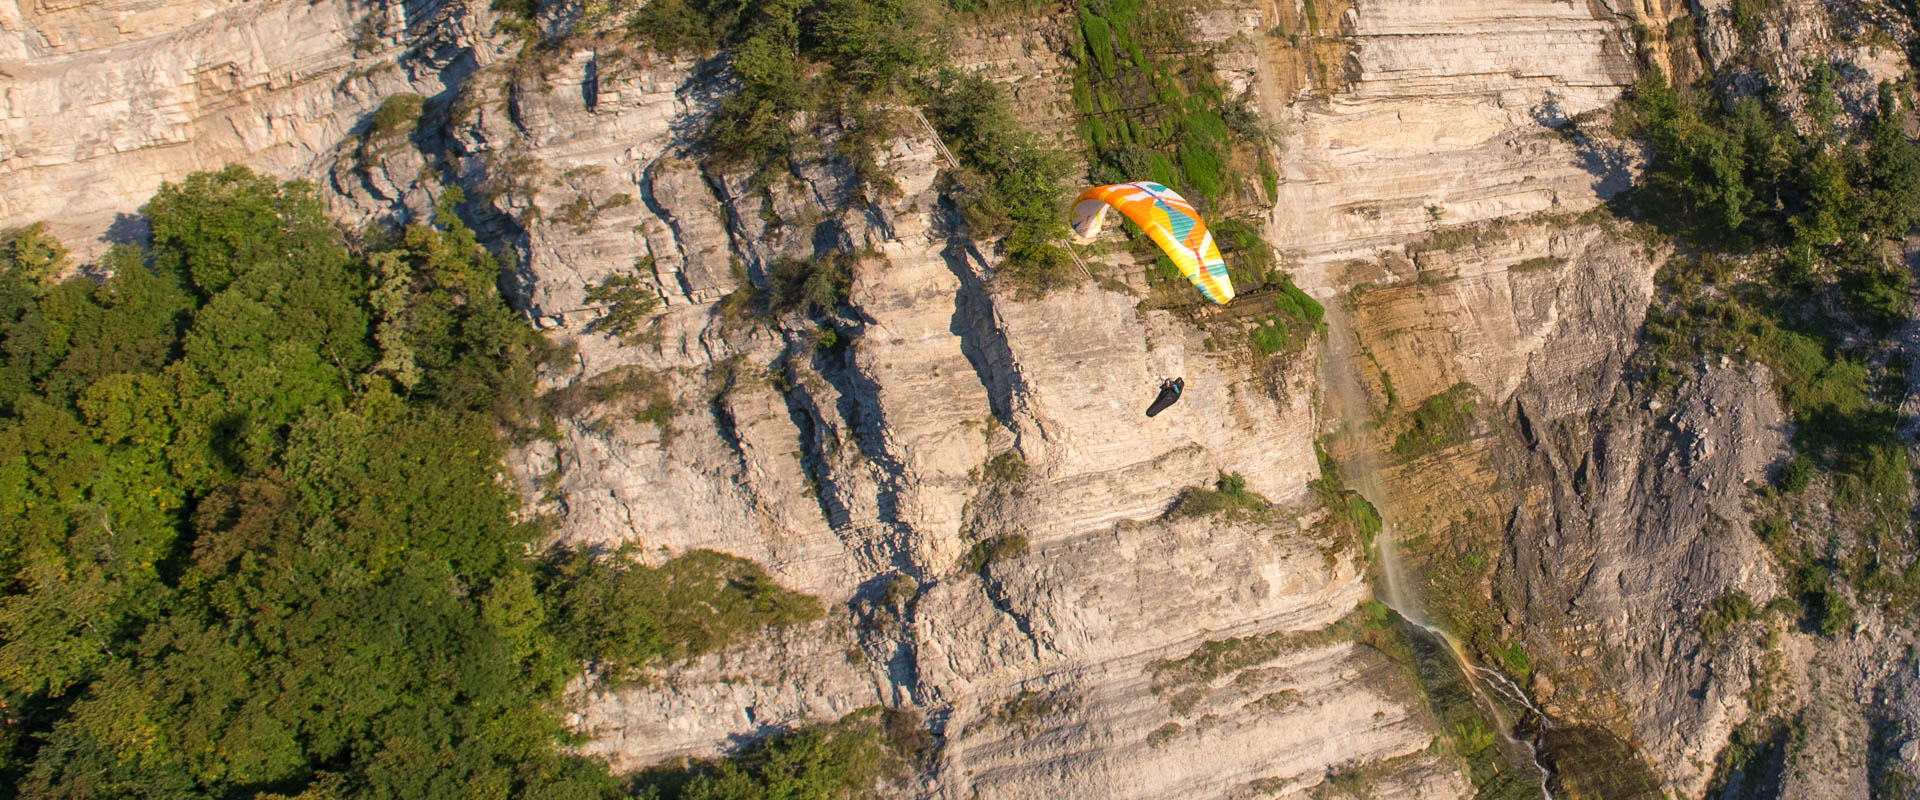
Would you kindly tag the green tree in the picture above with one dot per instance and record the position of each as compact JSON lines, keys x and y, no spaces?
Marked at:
{"x":32,"y":256}
{"x":238,"y":562}
{"x":627,"y":304}
{"x":1893,"y":163}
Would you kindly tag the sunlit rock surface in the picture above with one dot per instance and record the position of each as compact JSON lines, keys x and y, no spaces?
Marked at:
{"x":1438,"y":157}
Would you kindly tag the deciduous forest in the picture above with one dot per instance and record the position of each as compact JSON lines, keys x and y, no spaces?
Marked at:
{"x":259,"y":541}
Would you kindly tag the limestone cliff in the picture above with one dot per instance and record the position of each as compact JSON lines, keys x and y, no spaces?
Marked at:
{"x":1438,"y":180}
{"x":1599,"y":518}
{"x":104,"y":100}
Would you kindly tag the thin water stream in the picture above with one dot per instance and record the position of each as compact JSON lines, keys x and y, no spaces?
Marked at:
{"x":1498,"y":697}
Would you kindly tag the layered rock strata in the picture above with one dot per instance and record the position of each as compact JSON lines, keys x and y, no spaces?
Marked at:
{"x":955,"y":412}
{"x":105,"y":100}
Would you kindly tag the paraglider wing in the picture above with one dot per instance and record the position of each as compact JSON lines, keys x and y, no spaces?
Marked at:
{"x":1169,"y":220}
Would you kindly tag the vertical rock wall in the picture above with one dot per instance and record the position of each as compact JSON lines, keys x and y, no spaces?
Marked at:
{"x":1426,"y":156}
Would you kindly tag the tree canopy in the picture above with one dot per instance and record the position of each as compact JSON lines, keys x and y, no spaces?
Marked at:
{"x":255,"y":533}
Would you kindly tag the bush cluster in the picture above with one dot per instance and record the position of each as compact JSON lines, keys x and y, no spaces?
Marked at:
{"x":1229,"y":496}
{"x":1739,"y":177}
{"x":1299,"y":318}
{"x":398,"y":116}
{"x":827,"y":59}
{"x":627,"y":304}
{"x":1439,"y":422}
{"x":987,"y":552}
{"x":1009,"y":186}
{"x":839,"y":64}
{"x":621,"y":615}
{"x":1809,"y":219}
{"x":1346,"y":508}
{"x":844,"y":759}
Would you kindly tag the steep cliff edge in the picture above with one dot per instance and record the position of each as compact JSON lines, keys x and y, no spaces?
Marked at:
{"x":961,"y":471}
{"x":1622,"y":535}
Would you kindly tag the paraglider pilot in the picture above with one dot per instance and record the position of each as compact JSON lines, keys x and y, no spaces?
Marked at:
{"x":1169,"y":393}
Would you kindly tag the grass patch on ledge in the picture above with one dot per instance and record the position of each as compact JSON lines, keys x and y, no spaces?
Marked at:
{"x":1229,"y":497}
{"x":1217,"y":658}
{"x":625,"y":616}
{"x":635,"y":391}
{"x":988,"y":552}
{"x":1184,"y":683}
{"x":863,"y":751}
{"x":1300,"y":318}
{"x":1441,"y":421}
{"x":1347,"y":510}
{"x":1724,"y":613}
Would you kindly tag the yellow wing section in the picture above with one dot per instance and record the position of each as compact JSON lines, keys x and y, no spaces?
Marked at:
{"x":1169,"y":220}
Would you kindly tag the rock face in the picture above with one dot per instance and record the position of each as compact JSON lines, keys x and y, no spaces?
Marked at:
{"x":1441,"y":114}
{"x":105,"y":100}
{"x":1432,"y":191}
{"x":958,"y":412}
{"x":955,"y":414}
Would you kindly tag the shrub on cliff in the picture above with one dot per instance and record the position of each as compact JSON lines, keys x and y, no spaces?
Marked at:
{"x":623,"y":615}
{"x":987,"y":552}
{"x":397,"y":116}
{"x":627,"y":304}
{"x":1228,"y":496}
{"x":825,"y":58}
{"x":1010,"y":186}
{"x":809,"y":284}
{"x":1440,"y":421}
{"x":845,"y":759}
{"x":674,"y":26}
{"x":839,"y":64}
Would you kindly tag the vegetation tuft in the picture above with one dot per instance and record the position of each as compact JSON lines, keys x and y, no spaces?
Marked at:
{"x":627,"y":305}
{"x":1218,"y":658}
{"x":988,"y":552}
{"x":397,"y":117}
{"x":1229,"y":497}
{"x":1299,"y":318}
{"x":622,"y":616}
{"x":1439,"y":422}
{"x":1724,"y":613}
{"x":814,"y":285}
{"x":1346,"y":509}
{"x":841,"y":65}
{"x":1145,"y":116}
{"x":1009,"y":186}
{"x":849,"y":758}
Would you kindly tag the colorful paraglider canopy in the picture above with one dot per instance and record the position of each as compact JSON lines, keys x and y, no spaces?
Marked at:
{"x":1169,"y":220}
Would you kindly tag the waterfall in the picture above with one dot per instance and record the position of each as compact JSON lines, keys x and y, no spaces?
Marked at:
{"x":1348,"y":402}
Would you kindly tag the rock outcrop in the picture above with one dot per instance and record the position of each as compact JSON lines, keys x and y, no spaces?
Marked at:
{"x":103,"y":101}
{"x":1616,"y":516}
{"x":1441,"y":114}
{"x":962,"y":472}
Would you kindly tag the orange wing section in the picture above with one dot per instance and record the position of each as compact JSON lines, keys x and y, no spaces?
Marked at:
{"x":1169,"y":220}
